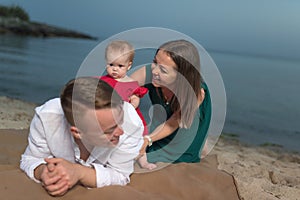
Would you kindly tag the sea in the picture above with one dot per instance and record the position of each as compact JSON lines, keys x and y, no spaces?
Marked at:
{"x":262,"y":91}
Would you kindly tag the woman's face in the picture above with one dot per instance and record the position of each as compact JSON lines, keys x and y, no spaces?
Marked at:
{"x":164,"y":71}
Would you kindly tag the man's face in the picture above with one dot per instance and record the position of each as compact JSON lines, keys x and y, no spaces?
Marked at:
{"x":102,"y":127}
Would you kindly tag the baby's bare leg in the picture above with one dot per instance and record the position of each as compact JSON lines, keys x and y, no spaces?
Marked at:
{"x":145,"y":164}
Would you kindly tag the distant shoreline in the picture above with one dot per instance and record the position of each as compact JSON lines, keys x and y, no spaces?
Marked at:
{"x":14,"y":25}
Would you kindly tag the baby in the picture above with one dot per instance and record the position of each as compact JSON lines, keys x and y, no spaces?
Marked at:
{"x":119,"y":56}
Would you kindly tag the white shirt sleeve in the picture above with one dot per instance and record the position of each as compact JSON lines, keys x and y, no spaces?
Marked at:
{"x":107,"y":176}
{"x":37,"y":148}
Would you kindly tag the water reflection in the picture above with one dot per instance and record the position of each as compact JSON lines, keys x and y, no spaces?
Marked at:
{"x":13,"y":43}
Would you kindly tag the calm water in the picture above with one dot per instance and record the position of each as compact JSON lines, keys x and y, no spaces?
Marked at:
{"x":262,"y":91}
{"x":263,"y":99}
{"x":34,"y":69}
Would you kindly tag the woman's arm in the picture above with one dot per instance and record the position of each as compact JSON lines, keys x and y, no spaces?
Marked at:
{"x":162,"y":131}
{"x":139,"y":75}
{"x":165,"y":129}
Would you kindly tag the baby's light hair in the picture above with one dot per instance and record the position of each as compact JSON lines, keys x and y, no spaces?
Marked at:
{"x":120,"y":46}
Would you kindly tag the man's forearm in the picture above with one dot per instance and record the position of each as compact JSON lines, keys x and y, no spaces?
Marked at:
{"x":87,"y":176}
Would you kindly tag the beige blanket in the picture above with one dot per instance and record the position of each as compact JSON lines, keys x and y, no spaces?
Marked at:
{"x":176,"y":181}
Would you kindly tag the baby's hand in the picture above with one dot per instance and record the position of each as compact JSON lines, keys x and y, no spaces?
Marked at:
{"x":134,"y":100}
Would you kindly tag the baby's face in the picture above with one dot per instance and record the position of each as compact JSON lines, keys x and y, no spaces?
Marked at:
{"x":117,"y":65}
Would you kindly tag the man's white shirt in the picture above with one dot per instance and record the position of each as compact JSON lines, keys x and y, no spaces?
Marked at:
{"x":50,"y":136}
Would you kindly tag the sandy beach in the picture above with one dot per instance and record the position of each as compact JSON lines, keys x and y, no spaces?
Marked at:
{"x":259,"y":172}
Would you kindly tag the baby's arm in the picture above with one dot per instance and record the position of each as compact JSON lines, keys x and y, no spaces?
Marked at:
{"x":134,"y":100}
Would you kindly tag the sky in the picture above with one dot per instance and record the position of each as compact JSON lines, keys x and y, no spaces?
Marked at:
{"x":215,"y":23}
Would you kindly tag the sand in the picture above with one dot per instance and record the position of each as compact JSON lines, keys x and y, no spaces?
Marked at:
{"x":15,"y":114}
{"x":258,"y":172}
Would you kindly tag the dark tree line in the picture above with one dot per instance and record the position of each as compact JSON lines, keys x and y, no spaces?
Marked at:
{"x":14,"y":11}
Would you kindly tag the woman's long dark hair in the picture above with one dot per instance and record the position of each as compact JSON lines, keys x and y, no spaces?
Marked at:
{"x":188,"y":82}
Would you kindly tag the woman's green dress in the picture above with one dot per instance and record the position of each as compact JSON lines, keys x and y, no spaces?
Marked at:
{"x":183,"y":145}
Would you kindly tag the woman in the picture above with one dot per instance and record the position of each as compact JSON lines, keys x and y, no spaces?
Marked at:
{"x":174,"y":82}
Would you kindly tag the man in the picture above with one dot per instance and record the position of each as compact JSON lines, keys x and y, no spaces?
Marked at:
{"x":88,"y":136}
